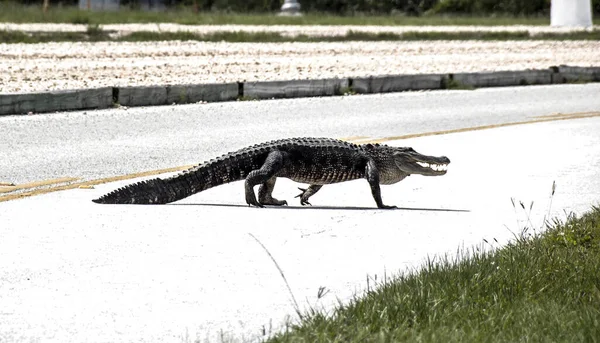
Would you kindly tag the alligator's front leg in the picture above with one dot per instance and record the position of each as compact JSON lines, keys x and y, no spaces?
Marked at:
{"x":273,"y":163}
{"x":307,"y":193}
{"x":265,"y":193}
{"x":372,"y":175}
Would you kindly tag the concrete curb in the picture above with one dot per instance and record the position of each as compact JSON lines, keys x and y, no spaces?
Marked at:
{"x":566,"y":74}
{"x":78,"y":99}
{"x":99,"y":98}
{"x":141,"y":96}
{"x":213,"y":92}
{"x":503,"y":78}
{"x":175,"y":94}
{"x":294,"y":88}
{"x":397,"y":83}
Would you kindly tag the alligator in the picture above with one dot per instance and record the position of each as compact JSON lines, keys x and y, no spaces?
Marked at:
{"x":313,"y":161}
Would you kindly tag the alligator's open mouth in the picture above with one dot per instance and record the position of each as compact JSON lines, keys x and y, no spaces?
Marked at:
{"x":439,"y":168}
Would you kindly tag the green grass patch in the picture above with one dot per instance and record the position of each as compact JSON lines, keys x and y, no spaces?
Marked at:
{"x":235,"y":36}
{"x":94,"y":33}
{"x":538,"y":288}
{"x":12,"y":12}
{"x":453,"y":84}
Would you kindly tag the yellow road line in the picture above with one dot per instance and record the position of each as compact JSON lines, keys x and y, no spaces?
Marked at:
{"x":568,"y":115}
{"x":485,"y":127}
{"x":87,"y":184}
{"x":355,"y":139}
{"x":37,"y":184}
{"x":363,"y":141}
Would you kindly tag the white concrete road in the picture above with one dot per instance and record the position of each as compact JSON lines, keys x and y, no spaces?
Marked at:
{"x":72,"y":270}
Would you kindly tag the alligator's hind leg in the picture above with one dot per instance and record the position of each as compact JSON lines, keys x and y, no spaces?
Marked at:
{"x":307,"y":193}
{"x":273,"y":163}
{"x":265,"y":192}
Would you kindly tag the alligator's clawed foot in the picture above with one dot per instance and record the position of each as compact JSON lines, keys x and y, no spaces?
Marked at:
{"x":303,"y":199}
{"x":304,"y":203}
{"x":303,"y":191}
{"x":387,"y":207}
{"x":251,"y":201}
{"x":274,"y":202}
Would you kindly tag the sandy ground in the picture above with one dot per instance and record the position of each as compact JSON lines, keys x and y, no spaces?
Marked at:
{"x":60,"y":66}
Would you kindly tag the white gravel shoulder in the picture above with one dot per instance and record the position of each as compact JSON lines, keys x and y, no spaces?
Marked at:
{"x":60,"y":66}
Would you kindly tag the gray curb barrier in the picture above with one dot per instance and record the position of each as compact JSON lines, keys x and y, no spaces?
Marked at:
{"x":185,"y":94}
{"x":294,"y":88}
{"x":504,"y":78}
{"x":98,"y":98}
{"x":397,"y":83}
{"x":178,"y":94}
{"x":564,"y":74}
{"x":142,"y":96}
{"x":78,"y":99}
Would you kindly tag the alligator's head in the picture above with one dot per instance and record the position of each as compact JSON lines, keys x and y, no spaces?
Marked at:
{"x":411,"y":162}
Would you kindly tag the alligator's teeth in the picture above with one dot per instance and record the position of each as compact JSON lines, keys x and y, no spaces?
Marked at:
{"x":436,"y":167}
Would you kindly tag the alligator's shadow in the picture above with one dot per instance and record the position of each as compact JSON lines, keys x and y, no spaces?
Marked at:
{"x":337,"y":208}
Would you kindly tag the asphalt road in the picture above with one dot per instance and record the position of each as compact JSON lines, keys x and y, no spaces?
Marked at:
{"x":72,"y":270}
{"x":95,"y":144}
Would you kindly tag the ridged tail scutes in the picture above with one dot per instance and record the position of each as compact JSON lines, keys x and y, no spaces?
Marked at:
{"x":226,"y":169}
{"x":154,"y":191}
{"x":230,"y":167}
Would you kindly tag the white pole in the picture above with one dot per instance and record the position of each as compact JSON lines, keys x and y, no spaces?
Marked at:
{"x":290,"y":7}
{"x":571,"y":13}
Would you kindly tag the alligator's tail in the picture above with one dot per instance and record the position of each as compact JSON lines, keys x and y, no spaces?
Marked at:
{"x":154,"y":191}
{"x":225,"y":169}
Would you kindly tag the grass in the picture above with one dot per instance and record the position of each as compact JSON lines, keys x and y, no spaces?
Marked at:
{"x":16,"y":13}
{"x":94,"y":33}
{"x":541,"y":287}
{"x":453,"y":84}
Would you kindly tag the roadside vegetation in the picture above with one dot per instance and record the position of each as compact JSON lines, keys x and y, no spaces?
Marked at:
{"x":316,"y":12}
{"x":96,"y":34}
{"x":12,"y":12}
{"x":541,"y":287}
